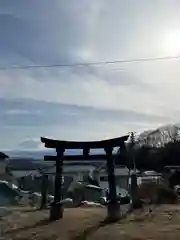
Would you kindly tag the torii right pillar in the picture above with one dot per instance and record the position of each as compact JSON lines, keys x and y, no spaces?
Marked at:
{"x":113,"y":207}
{"x":136,"y":202}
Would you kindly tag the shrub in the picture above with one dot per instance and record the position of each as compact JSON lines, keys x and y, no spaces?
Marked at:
{"x":157,"y":193}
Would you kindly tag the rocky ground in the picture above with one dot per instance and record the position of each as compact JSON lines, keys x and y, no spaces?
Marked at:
{"x":162,"y":222}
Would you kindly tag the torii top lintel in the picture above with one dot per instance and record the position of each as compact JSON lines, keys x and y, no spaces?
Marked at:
{"x":114,"y":142}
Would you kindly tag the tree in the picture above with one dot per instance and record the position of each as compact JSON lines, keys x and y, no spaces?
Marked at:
{"x":3,"y":155}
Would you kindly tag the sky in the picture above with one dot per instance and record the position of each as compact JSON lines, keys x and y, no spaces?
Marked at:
{"x":86,"y":102}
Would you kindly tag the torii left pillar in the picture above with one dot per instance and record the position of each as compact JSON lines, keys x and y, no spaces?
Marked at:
{"x":56,"y":211}
{"x":113,"y":206}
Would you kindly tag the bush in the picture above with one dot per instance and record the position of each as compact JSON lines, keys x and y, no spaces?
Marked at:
{"x":157,"y":193}
{"x":166,"y":195}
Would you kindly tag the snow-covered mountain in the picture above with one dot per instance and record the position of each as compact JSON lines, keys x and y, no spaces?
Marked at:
{"x":160,"y":136}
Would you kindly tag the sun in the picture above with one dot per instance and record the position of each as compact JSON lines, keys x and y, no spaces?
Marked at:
{"x":171,"y":42}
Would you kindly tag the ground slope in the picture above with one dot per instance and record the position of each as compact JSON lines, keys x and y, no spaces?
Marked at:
{"x":162,"y":223}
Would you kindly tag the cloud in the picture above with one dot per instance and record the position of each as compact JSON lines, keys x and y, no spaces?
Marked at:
{"x":85,"y":102}
{"x":86,"y":89}
{"x":18,"y":112}
{"x":29,"y":144}
{"x":23,"y":112}
{"x":65,"y":121}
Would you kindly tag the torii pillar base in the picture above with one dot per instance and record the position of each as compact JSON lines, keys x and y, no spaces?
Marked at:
{"x":113,"y":211}
{"x":56,"y":211}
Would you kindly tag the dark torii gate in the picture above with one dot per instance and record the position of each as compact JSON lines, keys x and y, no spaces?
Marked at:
{"x":108,"y":146}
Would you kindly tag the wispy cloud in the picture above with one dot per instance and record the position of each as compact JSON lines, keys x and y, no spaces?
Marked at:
{"x":85,"y":102}
{"x":18,"y":112}
{"x":66,"y":121}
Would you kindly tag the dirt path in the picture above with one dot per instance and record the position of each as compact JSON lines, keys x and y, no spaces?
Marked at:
{"x":162,"y":223}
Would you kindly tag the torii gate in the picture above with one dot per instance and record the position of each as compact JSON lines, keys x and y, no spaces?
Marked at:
{"x":113,"y":208}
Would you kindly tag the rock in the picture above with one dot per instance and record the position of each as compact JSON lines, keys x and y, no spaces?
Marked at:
{"x":4,"y":211}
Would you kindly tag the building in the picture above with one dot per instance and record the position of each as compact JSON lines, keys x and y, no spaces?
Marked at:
{"x":121,"y":176}
{"x":151,"y":177}
{"x":72,"y":171}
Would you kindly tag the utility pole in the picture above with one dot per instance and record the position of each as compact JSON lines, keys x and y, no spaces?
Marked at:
{"x":134,"y":185}
{"x":132,"y":143}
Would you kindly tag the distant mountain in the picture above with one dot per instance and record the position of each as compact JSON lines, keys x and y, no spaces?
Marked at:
{"x":39,"y":154}
{"x":31,"y":160}
{"x":35,"y":154}
{"x":159,"y":136}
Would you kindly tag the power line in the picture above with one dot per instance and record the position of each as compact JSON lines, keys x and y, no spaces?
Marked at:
{"x":99,"y":63}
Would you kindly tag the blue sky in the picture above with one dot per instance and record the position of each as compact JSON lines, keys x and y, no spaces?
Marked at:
{"x":86,"y":103}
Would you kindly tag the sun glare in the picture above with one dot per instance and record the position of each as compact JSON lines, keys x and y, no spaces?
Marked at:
{"x":171,"y":42}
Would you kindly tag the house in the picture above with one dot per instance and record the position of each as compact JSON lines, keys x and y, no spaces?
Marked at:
{"x":121,"y":176}
{"x":8,"y":193}
{"x":151,"y":177}
{"x":72,"y":171}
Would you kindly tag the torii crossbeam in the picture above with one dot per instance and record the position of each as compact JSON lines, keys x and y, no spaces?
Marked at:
{"x":108,"y":146}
